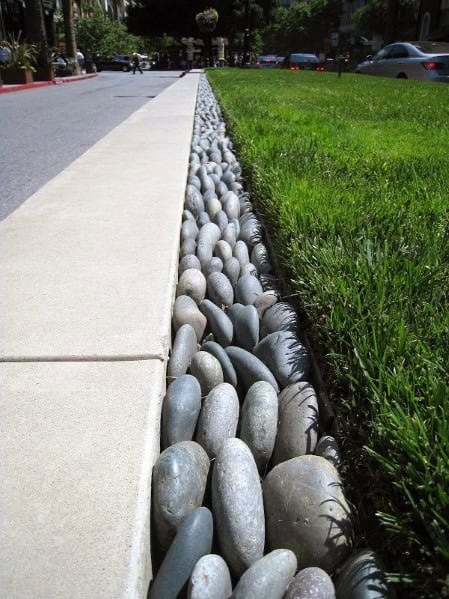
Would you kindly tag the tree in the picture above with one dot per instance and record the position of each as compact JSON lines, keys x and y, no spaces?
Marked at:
{"x":391,"y":19}
{"x":69,"y":34}
{"x":207,"y":22}
{"x":36,"y":28}
{"x":97,"y":34}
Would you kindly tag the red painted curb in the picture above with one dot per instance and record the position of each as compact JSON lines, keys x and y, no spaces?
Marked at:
{"x":73,"y":79}
{"x":35,"y":84}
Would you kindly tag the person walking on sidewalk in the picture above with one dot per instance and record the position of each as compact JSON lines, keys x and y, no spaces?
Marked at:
{"x":136,"y":64}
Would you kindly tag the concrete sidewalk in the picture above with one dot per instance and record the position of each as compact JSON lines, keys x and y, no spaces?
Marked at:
{"x":88,"y":274}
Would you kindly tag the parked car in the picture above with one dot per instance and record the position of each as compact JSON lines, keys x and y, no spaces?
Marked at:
{"x":424,"y":61}
{"x":268,"y":61}
{"x":305,"y":62}
{"x":118,"y":62}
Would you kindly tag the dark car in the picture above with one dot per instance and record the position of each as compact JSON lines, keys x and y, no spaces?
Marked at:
{"x":118,"y":62}
{"x":268,"y":61}
{"x":305,"y":62}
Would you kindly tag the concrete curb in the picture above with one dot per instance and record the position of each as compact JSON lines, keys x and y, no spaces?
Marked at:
{"x":5,"y":89}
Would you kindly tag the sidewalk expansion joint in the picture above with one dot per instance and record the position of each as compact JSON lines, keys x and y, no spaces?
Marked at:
{"x":115,"y":358}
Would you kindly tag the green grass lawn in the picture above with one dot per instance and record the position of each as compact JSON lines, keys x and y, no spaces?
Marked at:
{"x":351,"y":178}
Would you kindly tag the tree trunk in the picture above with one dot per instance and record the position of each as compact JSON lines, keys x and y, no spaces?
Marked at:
{"x":391,"y":21}
{"x":69,"y":33}
{"x":36,"y":29}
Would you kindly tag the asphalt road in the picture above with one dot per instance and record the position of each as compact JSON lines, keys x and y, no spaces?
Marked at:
{"x":43,"y":130}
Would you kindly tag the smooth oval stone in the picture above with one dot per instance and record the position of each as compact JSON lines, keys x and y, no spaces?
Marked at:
{"x":211,"y":232}
{"x":186,"y":311}
{"x":238,"y":506}
{"x":231,"y":269}
{"x":188,"y":246}
{"x":250,"y":229}
{"x":237,"y":187}
{"x":213,"y":207}
{"x":223,"y":250}
{"x":194,"y":180}
{"x":215,"y":156}
{"x":184,"y":348}
{"x":229,"y":373}
{"x":187,"y":215}
{"x":207,"y":369}
{"x":221,"y":219}
{"x":210,"y":579}
{"x":192,"y":282}
{"x":246,"y":325}
{"x":180,"y":410}
{"x":240,"y":251}
{"x":189,"y":230}
{"x":280,"y":317}
{"x":249,"y":269}
{"x":311,"y":583}
{"x":189,"y":261}
{"x":236,"y":223}
{"x":229,"y":234}
{"x":179,"y":482}
{"x":306,"y":511}
{"x":218,"y":418}
{"x":219,"y":289}
{"x":270,"y":283}
{"x":228,"y":176}
{"x":192,"y":542}
{"x":247,"y":289}
{"x":249,"y":368}
{"x":193,"y":200}
{"x":208,"y":195}
{"x":362,"y":577}
{"x":231,"y":205}
{"x":202,"y":219}
{"x":285,"y":356}
{"x":265,"y":301}
{"x":204,"y":252}
{"x":215,"y":265}
{"x":260,"y":259}
{"x":207,"y":183}
{"x":258,"y":426}
{"x":327,"y":447}
{"x":220,"y":324}
{"x":221,"y":189}
{"x":268,"y":578}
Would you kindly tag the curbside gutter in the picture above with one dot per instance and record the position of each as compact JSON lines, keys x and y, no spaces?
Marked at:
{"x":5,"y":89}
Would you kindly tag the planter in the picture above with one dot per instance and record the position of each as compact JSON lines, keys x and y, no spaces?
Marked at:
{"x":17,"y":76}
{"x":44,"y":73}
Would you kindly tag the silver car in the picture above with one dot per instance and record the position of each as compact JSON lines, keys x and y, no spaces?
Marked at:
{"x":424,"y":61}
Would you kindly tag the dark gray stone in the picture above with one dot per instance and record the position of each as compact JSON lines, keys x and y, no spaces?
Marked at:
{"x":362,"y":577}
{"x":246,"y":325}
{"x":184,"y":348}
{"x":236,"y":223}
{"x":249,"y":368}
{"x":204,"y":252}
{"x":192,"y":282}
{"x":240,"y":251}
{"x":230,"y":235}
{"x":215,"y":265}
{"x":207,"y":369}
{"x":219,"y":289}
{"x":189,"y":261}
{"x":298,"y":422}
{"x":281,"y":317}
{"x":189,"y":230}
{"x":223,"y":250}
{"x":218,"y":418}
{"x":270,"y":283}
{"x":202,"y":219}
{"x":268,"y":578}
{"x":180,"y":410}
{"x":311,"y":583}
{"x":186,"y":311}
{"x":250,"y":229}
{"x":219,"y":323}
{"x":285,"y":356}
{"x":207,"y":183}
{"x":194,"y":200}
{"x":327,"y":447}
{"x":221,"y":189}
{"x":306,"y":511}
{"x":247,"y":289}
{"x":179,"y":483}
{"x":221,"y":219}
{"x":188,"y":246}
{"x":193,"y":541}
{"x":231,"y":269}
{"x":229,"y":373}
{"x":210,"y":232}
{"x":238,"y":506}
{"x":260,"y":259}
{"x":210,"y":579}
{"x":195,"y":181}
{"x":265,"y":301}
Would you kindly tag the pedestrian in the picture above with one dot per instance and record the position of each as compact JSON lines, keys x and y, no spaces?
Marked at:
{"x":80,"y":58}
{"x":136,"y":64}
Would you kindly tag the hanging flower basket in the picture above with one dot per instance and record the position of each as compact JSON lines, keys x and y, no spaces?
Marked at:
{"x":207,"y":20}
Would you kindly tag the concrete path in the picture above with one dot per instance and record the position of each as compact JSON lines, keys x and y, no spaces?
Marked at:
{"x":88,"y":273}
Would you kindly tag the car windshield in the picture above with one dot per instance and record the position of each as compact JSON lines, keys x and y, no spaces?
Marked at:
{"x":266,"y":58}
{"x":432,"y":47}
{"x":303,"y":58}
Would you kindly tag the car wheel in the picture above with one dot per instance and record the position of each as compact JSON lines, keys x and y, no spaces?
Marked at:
{"x":125,"y":69}
{"x":402,"y":76}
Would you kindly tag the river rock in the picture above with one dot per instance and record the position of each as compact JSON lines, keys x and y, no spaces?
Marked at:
{"x":249,"y":269}
{"x":260,"y":259}
{"x":188,"y":246}
{"x":194,"y":180}
{"x":204,"y":252}
{"x":210,"y":232}
{"x":281,"y":317}
{"x":249,"y":368}
{"x":229,"y":373}
{"x":240,"y":251}
{"x":193,"y":200}
{"x":306,"y":511}
{"x":206,"y":368}
{"x":362,"y":577}
{"x":219,"y":289}
{"x":229,"y":235}
{"x":247,"y":289}
{"x":213,"y":206}
{"x":202,"y":219}
{"x":268,"y":578}
{"x":180,"y":410}
{"x":263,"y":302}
{"x":215,"y":265}
{"x":192,"y":282}
{"x":210,"y":579}
{"x":238,"y":506}
{"x":270,"y":283}
{"x":186,"y":311}
{"x":250,"y":229}
{"x":236,"y":223}
{"x":231,"y":205}
{"x":189,"y":229}
{"x":218,"y":418}
{"x":246,"y":325}
{"x":258,"y":427}
{"x":223,"y":250}
{"x":184,"y":348}
{"x":285,"y":356}
{"x":327,"y":447}
{"x":192,"y":542}
{"x":179,"y":482}
{"x":189,"y":261}
{"x":231,"y":269}
{"x":311,"y":583}
{"x":219,"y":323}
{"x":221,"y":219}
{"x":187,"y":215}
{"x":209,"y":195}
{"x":207,"y":184}
{"x":221,"y":189}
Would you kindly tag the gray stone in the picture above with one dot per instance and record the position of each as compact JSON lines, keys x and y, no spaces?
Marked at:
{"x":249,"y":368}
{"x":202,"y":219}
{"x":250,"y":229}
{"x":236,"y":223}
{"x":187,"y":215}
{"x":248,"y":269}
{"x":248,"y":289}
{"x":208,"y":195}
{"x":207,"y":183}
{"x":188,"y":246}
{"x":219,"y":289}
{"x":298,"y":422}
{"x":270,"y":283}
{"x":189,"y":230}
{"x":194,"y":200}
{"x":231,"y":269}
{"x":207,"y":369}
{"x":238,"y":506}
{"x":229,"y":373}
{"x":184,"y":348}
{"x":223,"y":250}
{"x":221,"y":189}
{"x":189,"y":261}
{"x":362,"y":577}
{"x":210,"y":232}
{"x":219,"y":323}
{"x":327,"y":447}
{"x":285,"y":356}
{"x":204,"y":252}
{"x":180,"y":410}
{"x":306,"y":511}
{"x":231,"y":205}
{"x":265,"y":301}
{"x":268,"y":578}
{"x":246,"y":325}
{"x":194,"y":180}
{"x":215,"y":265}
{"x":260,"y":259}
{"x":240,"y":251}
{"x":258,"y":427}
{"x":193,"y":541}
{"x":179,"y":483}
{"x":186,"y":311}
{"x":213,"y":206}
{"x":230,"y":235}
{"x":218,"y":418}
{"x":210,"y":579}
{"x":311,"y":583}
{"x":281,"y":317}
{"x":192,"y":282}
{"x":221,"y":219}
{"x":228,"y":176}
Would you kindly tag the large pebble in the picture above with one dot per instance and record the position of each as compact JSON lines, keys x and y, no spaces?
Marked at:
{"x":311,"y":583}
{"x":194,"y":200}
{"x":249,"y":368}
{"x":280,"y":317}
{"x":180,"y":410}
{"x":189,"y":229}
{"x":285,"y":356}
{"x":268,"y":578}
{"x":184,"y":348}
{"x":306,"y":511}
{"x":249,"y":269}
{"x":218,"y":418}
{"x":219,"y":323}
{"x":223,"y":250}
{"x":258,"y":425}
{"x":229,"y":373}
{"x":210,"y":579}
{"x":215,"y":265}
{"x":250,"y":229}
{"x":206,"y":368}
{"x":248,"y":288}
{"x":187,"y":215}
{"x":192,"y":542}
{"x":221,"y":219}
{"x":219,"y":289}
{"x":298,"y":422}
{"x":231,"y":269}
{"x":179,"y":483}
{"x":231,"y":205}
{"x":265,"y":301}
{"x":202,"y":219}
{"x":188,"y":246}
{"x":189,"y":261}
{"x":246,"y":325}
{"x":204,"y":251}
{"x":327,"y":447}
{"x":213,"y":206}
{"x":362,"y":577}
{"x":186,"y":311}
{"x":240,"y":251}
{"x":260,"y":259}
{"x":230,"y":235}
{"x":238,"y":506}
{"x":192,"y":282}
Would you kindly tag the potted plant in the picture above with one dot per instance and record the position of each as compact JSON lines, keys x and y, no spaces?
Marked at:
{"x":45,"y":57}
{"x":19,"y":67}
